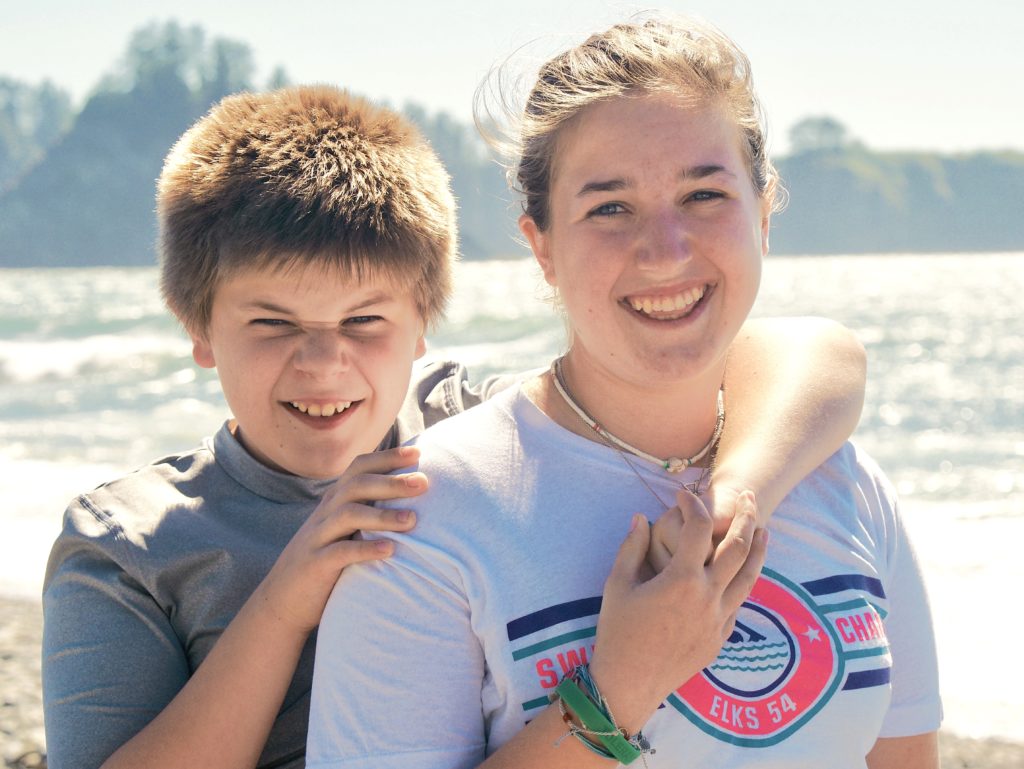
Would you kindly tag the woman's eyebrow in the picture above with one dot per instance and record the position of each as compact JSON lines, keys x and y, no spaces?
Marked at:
{"x":605,"y":185}
{"x":703,"y":171}
{"x":614,"y":185}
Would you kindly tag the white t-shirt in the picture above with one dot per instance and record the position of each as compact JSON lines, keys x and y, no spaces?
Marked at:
{"x":436,"y":657}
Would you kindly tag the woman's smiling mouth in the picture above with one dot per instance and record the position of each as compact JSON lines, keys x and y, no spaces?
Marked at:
{"x":667,"y":306}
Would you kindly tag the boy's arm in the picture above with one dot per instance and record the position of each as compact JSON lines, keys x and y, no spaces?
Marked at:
{"x":221,"y":715}
{"x":794,"y":393}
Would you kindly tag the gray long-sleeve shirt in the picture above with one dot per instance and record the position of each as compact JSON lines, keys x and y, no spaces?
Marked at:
{"x":150,"y":569}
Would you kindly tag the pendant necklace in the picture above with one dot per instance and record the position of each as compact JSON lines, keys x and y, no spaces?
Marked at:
{"x":670,"y":464}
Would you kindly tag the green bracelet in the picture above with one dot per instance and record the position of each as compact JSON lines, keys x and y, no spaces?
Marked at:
{"x":596,"y":722}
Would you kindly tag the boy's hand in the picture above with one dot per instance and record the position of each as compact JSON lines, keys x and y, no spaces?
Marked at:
{"x":665,"y":531}
{"x":723,"y":500}
{"x":300,"y":582}
{"x":654,"y":634}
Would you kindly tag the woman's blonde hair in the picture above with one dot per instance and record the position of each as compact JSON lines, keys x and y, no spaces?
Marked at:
{"x":679,"y":55}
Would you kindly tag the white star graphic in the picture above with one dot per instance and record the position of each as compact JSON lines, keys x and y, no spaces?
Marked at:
{"x":813,"y":634}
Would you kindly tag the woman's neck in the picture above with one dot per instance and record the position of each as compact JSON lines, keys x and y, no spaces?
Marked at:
{"x":662,"y":418}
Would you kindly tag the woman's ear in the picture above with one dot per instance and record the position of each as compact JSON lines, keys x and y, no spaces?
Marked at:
{"x":539,"y":244}
{"x":766,"y":221}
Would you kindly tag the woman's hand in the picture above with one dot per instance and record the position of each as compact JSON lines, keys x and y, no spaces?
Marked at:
{"x":654,"y":633}
{"x":300,"y":582}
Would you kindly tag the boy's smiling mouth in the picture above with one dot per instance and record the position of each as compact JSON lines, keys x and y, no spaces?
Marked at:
{"x":667,"y":306}
{"x":321,"y":409}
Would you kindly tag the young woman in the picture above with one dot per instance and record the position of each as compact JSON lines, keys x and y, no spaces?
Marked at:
{"x":648,"y":201}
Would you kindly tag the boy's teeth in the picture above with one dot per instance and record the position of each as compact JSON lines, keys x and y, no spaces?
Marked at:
{"x":316,"y":410}
{"x":679,"y":301}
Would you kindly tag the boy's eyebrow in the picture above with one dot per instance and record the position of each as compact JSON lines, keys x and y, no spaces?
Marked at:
{"x":261,"y":304}
{"x":268,"y":306}
{"x":621,"y":183}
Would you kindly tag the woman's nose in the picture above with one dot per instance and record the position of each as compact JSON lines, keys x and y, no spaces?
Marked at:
{"x":665,"y":241}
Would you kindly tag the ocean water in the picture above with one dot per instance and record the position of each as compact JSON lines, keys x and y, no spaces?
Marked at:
{"x":96,"y":379}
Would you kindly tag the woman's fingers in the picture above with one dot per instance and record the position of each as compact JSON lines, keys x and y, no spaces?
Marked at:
{"x":740,"y":586}
{"x":664,"y":536}
{"x":627,"y":569}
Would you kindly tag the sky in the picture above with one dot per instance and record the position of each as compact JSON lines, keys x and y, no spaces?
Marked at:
{"x":899,"y":74}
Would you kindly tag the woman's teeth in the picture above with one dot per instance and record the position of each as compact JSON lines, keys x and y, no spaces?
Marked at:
{"x":318,"y":410}
{"x":680,"y":301}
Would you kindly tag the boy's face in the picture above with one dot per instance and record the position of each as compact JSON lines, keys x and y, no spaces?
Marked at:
{"x":314,"y":364}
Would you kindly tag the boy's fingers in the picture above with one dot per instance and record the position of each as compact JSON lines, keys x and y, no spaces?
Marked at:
{"x":731,"y":554}
{"x":383,"y":462}
{"x":723,"y":501}
{"x":695,"y":534}
{"x":359,"y":550}
{"x":741,"y":585}
{"x":632,"y":552}
{"x":373,"y":487}
{"x":356,"y":516}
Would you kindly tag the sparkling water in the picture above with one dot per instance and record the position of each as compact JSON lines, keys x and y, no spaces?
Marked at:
{"x":96,"y":379}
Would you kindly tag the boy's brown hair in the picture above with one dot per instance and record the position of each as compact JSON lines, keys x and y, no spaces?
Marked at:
{"x":298,"y":176}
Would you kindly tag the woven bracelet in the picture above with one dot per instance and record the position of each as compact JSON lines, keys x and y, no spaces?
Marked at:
{"x":597,"y":723}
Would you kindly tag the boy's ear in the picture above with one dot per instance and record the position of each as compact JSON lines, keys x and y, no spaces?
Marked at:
{"x":421,"y":346}
{"x":539,"y":245}
{"x":202,"y":352}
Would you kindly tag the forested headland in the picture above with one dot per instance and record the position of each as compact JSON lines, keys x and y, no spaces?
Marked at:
{"x":77,"y":183}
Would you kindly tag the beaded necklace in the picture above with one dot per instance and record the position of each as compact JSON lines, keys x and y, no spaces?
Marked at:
{"x":671,"y":464}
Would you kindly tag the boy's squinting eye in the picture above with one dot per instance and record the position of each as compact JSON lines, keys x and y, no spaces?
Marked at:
{"x":359,"y":320}
{"x":271,"y":322}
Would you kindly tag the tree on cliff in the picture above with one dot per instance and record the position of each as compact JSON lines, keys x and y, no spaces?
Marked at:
{"x":90,"y":200}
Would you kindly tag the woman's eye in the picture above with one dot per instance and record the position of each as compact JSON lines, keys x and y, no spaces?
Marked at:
{"x":706,"y":195}
{"x":607,"y":209}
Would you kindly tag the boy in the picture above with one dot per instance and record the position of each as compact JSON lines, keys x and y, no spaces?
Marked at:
{"x":306,"y":244}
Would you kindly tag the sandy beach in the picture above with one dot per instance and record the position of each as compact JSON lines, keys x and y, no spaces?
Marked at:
{"x":21,"y":719}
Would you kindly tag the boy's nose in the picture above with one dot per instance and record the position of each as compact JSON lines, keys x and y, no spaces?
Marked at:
{"x":665,"y":242}
{"x":322,"y":354}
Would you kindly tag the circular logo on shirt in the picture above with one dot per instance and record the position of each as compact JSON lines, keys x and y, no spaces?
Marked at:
{"x":781,"y":664}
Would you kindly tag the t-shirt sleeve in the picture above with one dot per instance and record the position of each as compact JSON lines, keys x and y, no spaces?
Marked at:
{"x":440,"y":390}
{"x":111,"y":660}
{"x":916,"y":707}
{"x":398,"y":670}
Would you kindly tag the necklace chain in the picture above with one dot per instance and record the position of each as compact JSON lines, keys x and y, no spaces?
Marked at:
{"x":671,"y":464}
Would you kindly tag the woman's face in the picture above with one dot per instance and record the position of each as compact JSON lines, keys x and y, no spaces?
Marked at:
{"x":655,"y":240}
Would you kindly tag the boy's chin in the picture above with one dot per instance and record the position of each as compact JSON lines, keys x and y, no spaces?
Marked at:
{"x":320,"y":471}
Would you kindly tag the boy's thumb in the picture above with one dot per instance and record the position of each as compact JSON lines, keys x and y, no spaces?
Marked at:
{"x":633,"y":551}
